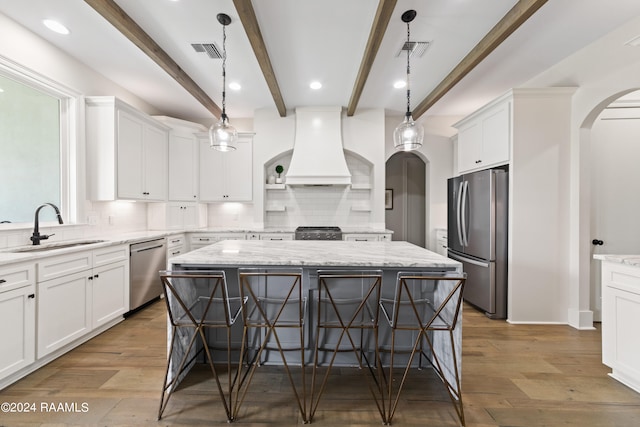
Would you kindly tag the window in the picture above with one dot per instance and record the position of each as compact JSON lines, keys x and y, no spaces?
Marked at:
{"x":37,"y":146}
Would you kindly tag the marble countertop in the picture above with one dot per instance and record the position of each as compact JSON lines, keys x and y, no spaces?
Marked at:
{"x":315,"y":253}
{"x":12,"y":255}
{"x":633,"y":260}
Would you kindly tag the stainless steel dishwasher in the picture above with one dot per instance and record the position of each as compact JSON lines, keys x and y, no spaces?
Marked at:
{"x":145,"y":261}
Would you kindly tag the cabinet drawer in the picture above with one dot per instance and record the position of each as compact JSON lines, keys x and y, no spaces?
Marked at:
{"x":276,"y":236}
{"x":59,"y":266}
{"x":360,"y":237}
{"x":175,"y":251}
{"x":17,"y":276}
{"x":110,"y":254}
{"x":174,"y":241}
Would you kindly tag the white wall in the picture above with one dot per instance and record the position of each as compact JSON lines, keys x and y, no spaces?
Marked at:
{"x":604,"y":71}
{"x":538,"y":206}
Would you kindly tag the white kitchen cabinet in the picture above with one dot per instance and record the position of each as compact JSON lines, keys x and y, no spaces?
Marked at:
{"x":199,"y":240}
{"x":227,"y":176}
{"x":63,"y":311}
{"x":176,"y":245}
{"x":620,"y":319}
{"x":17,"y":317}
{"x":484,"y":137}
{"x":127,"y":152}
{"x":366,"y":237}
{"x":109,"y":293}
{"x":441,"y":241}
{"x":276,"y":236}
{"x":78,"y":293}
{"x":183,"y":158}
{"x":176,"y":216}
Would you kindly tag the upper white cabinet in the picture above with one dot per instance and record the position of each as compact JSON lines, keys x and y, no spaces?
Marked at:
{"x":227,"y":176}
{"x":484,"y":137}
{"x":183,"y":158}
{"x":127,"y":152}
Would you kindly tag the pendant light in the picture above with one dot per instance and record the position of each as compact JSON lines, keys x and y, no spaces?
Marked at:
{"x":223,"y":136}
{"x":408,"y":135}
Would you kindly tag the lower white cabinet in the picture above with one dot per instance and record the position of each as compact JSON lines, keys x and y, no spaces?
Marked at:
{"x":176,"y":245}
{"x":63,"y":311}
{"x":70,"y":305}
{"x":17,"y":328}
{"x":109,"y":293}
{"x":366,"y":237}
{"x":199,"y":240}
{"x":620,"y":320}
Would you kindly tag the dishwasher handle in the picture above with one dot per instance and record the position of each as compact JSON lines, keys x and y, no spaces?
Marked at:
{"x":147,"y":248}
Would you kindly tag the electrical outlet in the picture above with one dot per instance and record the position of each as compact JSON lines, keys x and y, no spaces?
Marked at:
{"x":92,"y":219}
{"x":112,"y":219}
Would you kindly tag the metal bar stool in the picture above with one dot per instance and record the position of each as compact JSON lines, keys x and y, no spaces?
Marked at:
{"x":427,"y":305}
{"x":348,"y":302}
{"x":273,"y":311}
{"x":196,"y":301}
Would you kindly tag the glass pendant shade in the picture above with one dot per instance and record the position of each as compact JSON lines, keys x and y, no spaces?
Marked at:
{"x":223,"y":136}
{"x":408,"y":135}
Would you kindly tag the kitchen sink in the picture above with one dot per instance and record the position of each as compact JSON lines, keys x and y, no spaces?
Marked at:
{"x":54,"y":246}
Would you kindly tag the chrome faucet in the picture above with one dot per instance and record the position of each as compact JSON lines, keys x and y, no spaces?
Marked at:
{"x":36,"y":237}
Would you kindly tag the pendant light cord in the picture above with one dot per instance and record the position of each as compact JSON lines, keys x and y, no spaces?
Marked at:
{"x":407,"y":47}
{"x":224,"y":71}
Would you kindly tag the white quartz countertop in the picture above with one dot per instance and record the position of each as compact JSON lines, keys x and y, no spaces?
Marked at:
{"x":315,"y":253}
{"x":12,"y":255}
{"x":633,"y":260}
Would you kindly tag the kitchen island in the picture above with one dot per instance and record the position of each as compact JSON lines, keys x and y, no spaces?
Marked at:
{"x":390,"y":257}
{"x":621,"y":317}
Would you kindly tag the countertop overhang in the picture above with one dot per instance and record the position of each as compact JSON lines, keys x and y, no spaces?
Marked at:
{"x":321,"y":253}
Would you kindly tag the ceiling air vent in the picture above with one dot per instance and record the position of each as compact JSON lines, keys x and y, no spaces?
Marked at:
{"x":416,"y":49}
{"x":209,"y":48}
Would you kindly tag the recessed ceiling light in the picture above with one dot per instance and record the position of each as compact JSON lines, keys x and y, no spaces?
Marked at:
{"x":55,"y":26}
{"x":400,"y":84}
{"x":235,"y":86}
{"x":315,"y":85}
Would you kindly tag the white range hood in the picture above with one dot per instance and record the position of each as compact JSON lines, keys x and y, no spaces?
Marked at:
{"x":318,"y":156}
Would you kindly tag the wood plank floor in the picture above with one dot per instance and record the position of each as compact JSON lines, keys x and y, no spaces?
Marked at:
{"x":513,"y":375}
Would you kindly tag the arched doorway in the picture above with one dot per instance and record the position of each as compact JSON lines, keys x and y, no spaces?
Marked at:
{"x":405,"y":212}
{"x":614,"y":153}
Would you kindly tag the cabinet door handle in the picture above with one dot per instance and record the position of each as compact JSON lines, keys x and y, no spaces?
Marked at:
{"x":96,"y":276}
{"x":2,"y":281}
{"x":90,"y":278}
{"x":31,"y":296}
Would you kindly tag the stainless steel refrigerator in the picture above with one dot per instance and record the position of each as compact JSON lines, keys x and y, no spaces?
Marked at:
{"x":477,"y":236}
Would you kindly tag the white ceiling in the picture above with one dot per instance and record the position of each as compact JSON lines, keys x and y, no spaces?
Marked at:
{"x":322,"y":40}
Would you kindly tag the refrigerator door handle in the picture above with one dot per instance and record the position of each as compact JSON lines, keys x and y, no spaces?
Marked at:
{"x":469,"y":260}
{"x":458,"y":212}
{"x":463,"y":213}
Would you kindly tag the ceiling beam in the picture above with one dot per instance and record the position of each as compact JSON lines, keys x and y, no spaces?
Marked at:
{"x":128,"y":27}
{"x":250,"y":23}
{"x":518,"y":14}
{"x":378,"y":28}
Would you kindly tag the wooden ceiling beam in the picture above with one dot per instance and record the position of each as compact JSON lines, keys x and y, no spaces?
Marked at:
{"x":378,"y":28}
{"x":128,"y":27}
{"x":518,"y":15}
{"x":250,"y":23}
